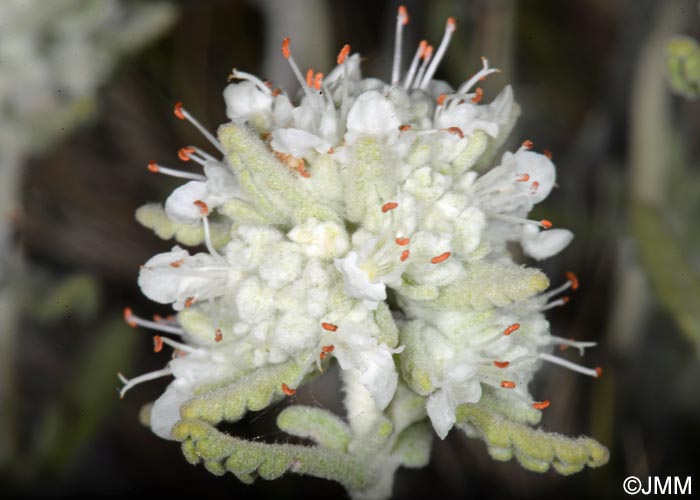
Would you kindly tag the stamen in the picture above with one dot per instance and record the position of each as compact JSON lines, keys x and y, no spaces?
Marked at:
{"x":218,"y":335}
{"x":318,"y":81}
{"x":478,"y":95}
{"x":129,"y":383}
{"x":404,"y":128}
{"x":527,"y":144}
{"x":507,"y":384}
{"x":242,"y":75}
{"x":511,"y":329}
{"x":440,"y":258}
{"x":541,"y":405}
{"x":598,"y":371}
{"x":479,"y":76}
{"x":133,"y":321}
{"x":450,"y":28}
{"x":408,"y":81}
{"x":183,"y":114}
{"x":456,"y":131}
{"x":343,"y":54}
{"x":547,"y":224}
{"x":157,"y":343}
{"x":573,"y":279}
{"x":441,"y":99}
{"x":534,"y":187}
{"x":184,"y":153}
{"x":287,"y":53}
{"x":389,"y":206}
{"x":564,"y":343}
{"x":555,"y":303}
{"x":401,"y":21}
{"x":203,"y":207}
{"x":547,"y":153}
{"x":328,"y":348}
{"x":404,"y":255}
{"x":189,"y":301}
{"x":204,"y":211}
{"x":523,"y":178}
{"x":544,"y":223}
{"x":501,"y":364}
{"x":288,"y":390}
{"x":177,"y":346}
{"x":402,"y":242}
{"x":329,"y":327}
{"x":591,"y":372}
{"x":159,"y":169}
{"x":427,"y":55}
{"x":309,"y":77}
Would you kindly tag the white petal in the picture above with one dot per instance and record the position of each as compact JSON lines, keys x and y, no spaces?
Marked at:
{"x":356,"y":281}
{"x":296,"y":142}
{"x":166,"y":410}
{"x":538,"y":167}
{"x":441,"y":412}
{"x":544,"y":244}
{"x":244,"y":100}
{"x":372,"y":114}
{"x":180,"y":205}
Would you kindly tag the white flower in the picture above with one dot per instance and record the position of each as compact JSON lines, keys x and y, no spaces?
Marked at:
{"x":357,"y":281}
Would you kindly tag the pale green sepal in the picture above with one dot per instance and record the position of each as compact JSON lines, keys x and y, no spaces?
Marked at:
{"x":413,"y":445}
{"x":494,"y":145}
{"x":153,"y":217}
{"x":389,"y":332}
{"x":467,"y":158}
{"x":243,"y":213}
{"x":321,"y":426}
{"x":416,"y":362}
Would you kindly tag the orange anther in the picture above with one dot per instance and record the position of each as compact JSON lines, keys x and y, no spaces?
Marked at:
{"x":547,"y":224}
{"x":402,"y":242}
{"x":441,"y":99}
{"x":285,"y":48}
{"x":309,"y":77}
{"x":404,"y":255}
{"x":318,"y":80}
{"x":343,"y":54}
{"x":403,"y":14}
{"x":184,"y":153}
{"x":288,"y":390}
{"x":440,"y":258}
{"x":157,"y":343}
{"x":178,"y":111}
{"x":511,"y":328}
{"x":328,"y":348}
{"x":479,"y":95}
{"x":404,"y":128}
{"x":322,"y":355}
{"x":451,"y":23}
{"x":203,"y":207}
{"x":456,"y":131}
{"x":329,"y":327}
{"x":523,"y":178}
{"x":573,"y":279}
{"x":501,"y":364}
{"x":598,"y":371}
{"x":507,"y":384}
{"x":218,"y":335}
{"x":547,"y":153}
{"x":157,"y":318}
{"x":428,"y":52}
{"x":153,"y":166}
{"x":276,"y":92}
{"x":177,"y":263}
{"x":189,"y":301}
{"x":127,"y":317}
{"x":421,"y":48}
{"x":533,"y":188}
{"x":541,"y":405}
{"x":565,"y":299}
{"x":389,"y":206}
{"x":527,"y":144}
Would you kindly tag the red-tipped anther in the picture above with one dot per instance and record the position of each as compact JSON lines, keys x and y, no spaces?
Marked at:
{"x":547,"y":153}
{"x":404,"y":255}
{"x":501,"y":364}
{"x":440,"y":258}
{"x":153,"y":167}
{"x":322,"y":355}
{"x":507,"y":384}
{"x":421,"y":48}
{"x":128,"y":313}
{"x":523,"y":178}
{"x":343,"y":54}
{"x":511,"y":328}
{"x":189,"y":301}
{"x":402,"y":242}
{"x":328,"y":348}
{"x":203,"y":207}
{"x":404,"y":128}
{"x":456,"y":131}
{"x":285,"y":48}
{"x":598,"y":371}
{"x":288,"y":390}
{"x":479,"y":95}
{"x":318,"y":80}
{"x":573,"y":279}
{"x":309,"y":77}
{"x":178,"y":111}
{"x":403,"y":14}
{"x":157,"y":318}
{"x":441,"y":99}
{"x":329,"y":327}
{"x":184,"y":153}
{"x":218,"y":335}
{"x":177,"y":263}
{"x":534,"y":187}
{"x":547,"y":224}
{"x":389,"y":206}
{"x":276,"y":92}
{"x":451,"y":23}
{"x":527,"y":144}
{"x":541,"y":405}
{"x":428,"y":52}
{"x":565,"y":299}
{"x":157,"y":343}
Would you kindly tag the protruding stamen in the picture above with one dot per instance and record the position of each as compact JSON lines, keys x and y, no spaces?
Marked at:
{"x":511,"y":329}
{"x":456,"y":131}
{"x":330,"y":327}
{"x":547,"y":153}
{"x":555,"y":303}
{"x":541,"y":405}
{"x":129,"y":383}
{"x":184,"y":153}
{"x":287,"y":53}
{"x":204,"y":211}
{"x":309,"y":77}
{"x":545,"y":223}
{"x":402,"y":242}
{"x":391,"y":205}
{"x":157,"y":343}
{"x":343,"y":54}
{"x":501,"y":364}
{"x":591,"y":372}
{"x":133,"y":321}
{"x":288,"y":391}
{"x":479,"y":76}
{"x":183,"y":114}
{"x":318,"y":81}
{"x":527,"y":144}
{"x":507,"y":384}
{"x":478,"y":95}
{"x":189,"y":301}
{"x":242,"y":75}
{"x":203,"y":207}
{"x":328,"y":348}
{"x":401,"y":21}
{"x":218,"y":335}
{"x":450,"y":28}
{"x":427,"y":56}
{"x":572,"y":279}
{"x":440,"y":258}
{"x":160,"y":169}
{"x":404,"y":255}
{"x":598,"y":371}
{"x":408,"y":81}
{"x":441,"y":99}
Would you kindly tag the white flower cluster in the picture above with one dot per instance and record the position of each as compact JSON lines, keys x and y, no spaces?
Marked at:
{"x":360,"y":223}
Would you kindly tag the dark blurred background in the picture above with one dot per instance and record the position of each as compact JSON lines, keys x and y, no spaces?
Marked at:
{"x":590,"y":78}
